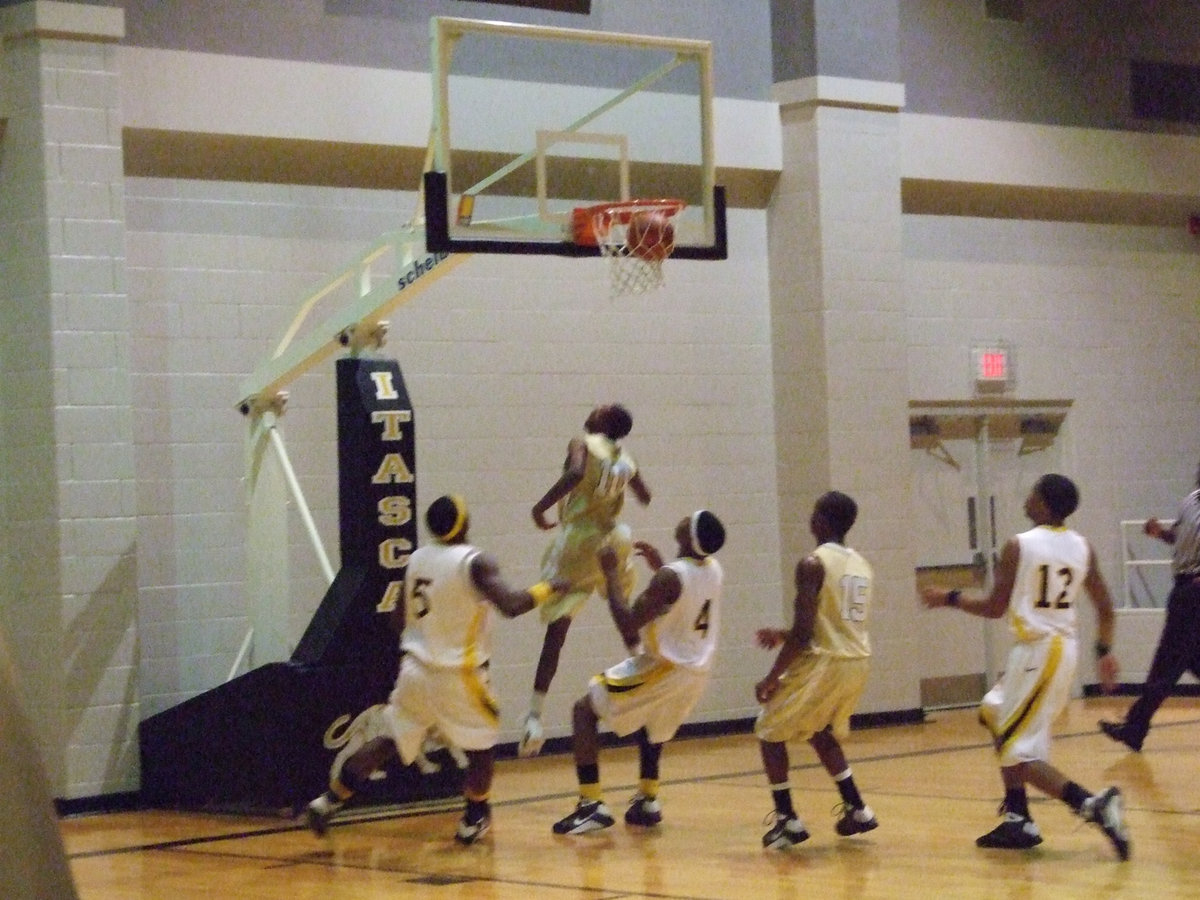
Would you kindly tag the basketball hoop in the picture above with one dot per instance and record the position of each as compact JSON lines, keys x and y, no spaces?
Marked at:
{"x":634,"y":235}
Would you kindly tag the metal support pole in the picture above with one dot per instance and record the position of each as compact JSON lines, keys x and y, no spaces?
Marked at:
{"x":305,"y":516}
{"x":987,"y":539}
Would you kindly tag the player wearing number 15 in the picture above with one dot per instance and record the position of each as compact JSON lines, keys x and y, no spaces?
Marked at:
{"x":1041,"y":574}
{"x":819,"y":673}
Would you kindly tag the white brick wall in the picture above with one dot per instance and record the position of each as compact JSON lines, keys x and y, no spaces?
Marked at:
{"x":1102,"y":315}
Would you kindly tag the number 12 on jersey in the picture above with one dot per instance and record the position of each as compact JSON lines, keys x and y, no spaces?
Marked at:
{"x":1065,"y":577}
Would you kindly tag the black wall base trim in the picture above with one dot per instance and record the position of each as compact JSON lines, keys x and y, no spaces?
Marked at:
{"x":102,"y":803}
{"x":887,"y":719}
{"x":1126,"y":689}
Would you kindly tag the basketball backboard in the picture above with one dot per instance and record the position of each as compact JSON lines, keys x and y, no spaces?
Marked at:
{"x":532,"y":122}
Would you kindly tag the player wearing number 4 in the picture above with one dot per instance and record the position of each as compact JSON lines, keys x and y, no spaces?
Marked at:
{"x":450,"y":592}
{"x":671,"y":631}
{"x":1039,"y":578}
{"x":589,"y":493}
{"x":819,"y":673}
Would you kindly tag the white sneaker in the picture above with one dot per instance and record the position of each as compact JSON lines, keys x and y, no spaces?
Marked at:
{"x":533,"y":737}
{"x":787,"y":831}
{"x":644,"y":811}
{"x":320,"y":811}
{"x":1015,"y":832}
{"x":853,"y":821}
{"x":589,"y":815}
{"x":1107,"y":811}
{"x":470,"y":832}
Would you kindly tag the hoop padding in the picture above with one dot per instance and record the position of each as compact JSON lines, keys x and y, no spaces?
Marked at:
{"x":635,"y":255}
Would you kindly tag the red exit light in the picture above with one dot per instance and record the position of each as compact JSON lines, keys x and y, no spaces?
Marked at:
{"x":993,"y":365}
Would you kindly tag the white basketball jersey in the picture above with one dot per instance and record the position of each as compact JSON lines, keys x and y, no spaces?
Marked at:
{"x":686,"y":634}
{"x":1050,"y":573}
{"x":447,"y":621}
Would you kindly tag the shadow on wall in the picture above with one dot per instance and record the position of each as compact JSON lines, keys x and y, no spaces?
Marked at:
{"x":97,"y":643}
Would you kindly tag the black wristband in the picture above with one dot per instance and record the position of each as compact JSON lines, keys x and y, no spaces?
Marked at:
{"x":953,"y":597}
{"x":1102,"y":649}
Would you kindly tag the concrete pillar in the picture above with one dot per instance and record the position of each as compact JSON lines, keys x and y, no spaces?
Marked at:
{"x":839,"y":321}
{"x":69,"y":514}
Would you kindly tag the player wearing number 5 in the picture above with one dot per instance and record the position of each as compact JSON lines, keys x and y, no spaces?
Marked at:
{"x":819,"y":673}
{"x":451,"y":591}
{"x":671,"y":631}
{"x":1041,"y":574}
{"x":589,"y":494}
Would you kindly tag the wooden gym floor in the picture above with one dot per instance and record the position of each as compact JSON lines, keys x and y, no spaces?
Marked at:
{"x":934,"y":788}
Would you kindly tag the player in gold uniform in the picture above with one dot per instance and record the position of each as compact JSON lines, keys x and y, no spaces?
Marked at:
{"x":1040,"y":576}
{"x":589,"y":494}
{"x":819,"y":673}
{"x":450,"y":592}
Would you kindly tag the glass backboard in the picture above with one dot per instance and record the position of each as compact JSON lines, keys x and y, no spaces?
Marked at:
{"x":531,"y":123}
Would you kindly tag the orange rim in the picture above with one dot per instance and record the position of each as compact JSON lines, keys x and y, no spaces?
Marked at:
{"x":583,"y":218}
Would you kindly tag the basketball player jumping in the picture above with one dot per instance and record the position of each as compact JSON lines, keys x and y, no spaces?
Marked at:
{"x":589,"y":493}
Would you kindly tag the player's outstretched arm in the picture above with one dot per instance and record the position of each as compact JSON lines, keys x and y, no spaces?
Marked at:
{"x":649,"y":553}
{"x":485,"y":574}
{"x":662,"y":591}
{"x":995,"y":603}
{"x":640,"y":489}
{"x":573,"y":470}
{"x":1156,"y":529}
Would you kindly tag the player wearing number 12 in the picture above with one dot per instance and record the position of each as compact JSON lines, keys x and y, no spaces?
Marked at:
{"x":1041,"y":574}
{"x":819,"y":673}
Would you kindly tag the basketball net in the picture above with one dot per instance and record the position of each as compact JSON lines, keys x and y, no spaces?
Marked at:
{"x":634,"y":267}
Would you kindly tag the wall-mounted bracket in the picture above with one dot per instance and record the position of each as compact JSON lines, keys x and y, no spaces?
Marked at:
{"x":363,"y":336}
